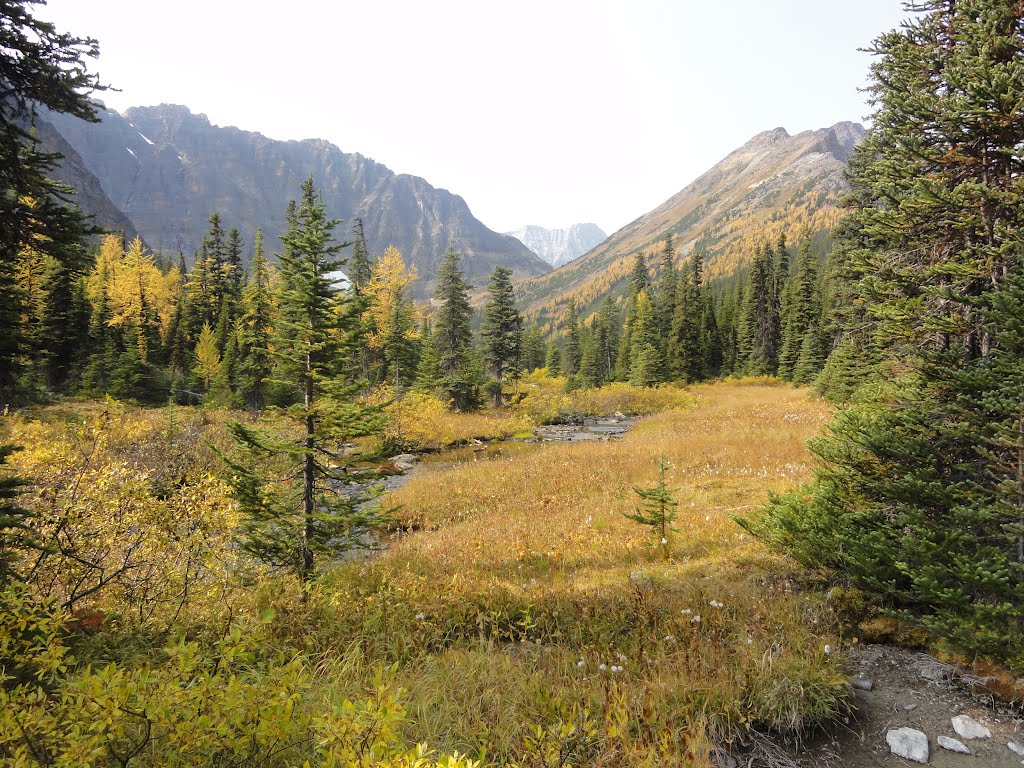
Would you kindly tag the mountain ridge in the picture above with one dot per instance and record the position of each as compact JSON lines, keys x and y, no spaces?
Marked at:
{"x":774,"y":182}
{"x":168,"y":168}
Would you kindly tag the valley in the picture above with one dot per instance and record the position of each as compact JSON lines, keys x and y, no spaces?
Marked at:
{"x":303,"y":464}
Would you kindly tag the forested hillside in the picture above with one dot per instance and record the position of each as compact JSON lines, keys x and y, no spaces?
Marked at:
{"x":774,"y":185}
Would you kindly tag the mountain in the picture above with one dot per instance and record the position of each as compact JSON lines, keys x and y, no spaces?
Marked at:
{"x":168,"y":169}
{"x":774,"y":183}
{"x":559,"y":246}
{"x":89,"y":194}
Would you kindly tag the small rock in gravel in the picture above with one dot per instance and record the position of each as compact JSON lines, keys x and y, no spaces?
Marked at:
{"x":405,"y":460}
{"x":953,"y":745}
{"x":967,"y":727}
{"x":908,"y":743}
{"x":862,"y":683}
{"x":909,"y":707}
{"x":1016,"y":746}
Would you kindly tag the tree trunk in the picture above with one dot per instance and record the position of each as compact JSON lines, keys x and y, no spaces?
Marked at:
{"x":309,"y":478}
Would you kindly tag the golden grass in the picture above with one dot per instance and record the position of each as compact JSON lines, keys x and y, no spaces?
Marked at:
{"x":524,"y":578}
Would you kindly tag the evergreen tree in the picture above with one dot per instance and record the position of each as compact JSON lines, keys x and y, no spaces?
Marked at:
{"x":714,"y":347}
{"x":534,"y":350}
{"x":502,"y":331}
{"x":607,"y":338}
{"x":802,"y":311}
{"x":401,"y":345}
{"x":646,"y":366}
{"x":760,"y":319}
{"x":359,"y":272}
{"x":591,"y":369}
{"x":453,"y":336}
{"x":919,"y":493}
{"x":572,"y":351}
{"x":39,"y":67}
{"x":289,"y":525}
{"x":665,"y":297}
{"x":428,"y":369}
{"x":639,"y":280}
{"x":554,"y":361}
{"x":659,"y":507}
{"x":255,"y":331}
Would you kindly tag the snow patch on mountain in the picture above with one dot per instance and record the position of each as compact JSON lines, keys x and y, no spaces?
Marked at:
{"x":560,"y":246}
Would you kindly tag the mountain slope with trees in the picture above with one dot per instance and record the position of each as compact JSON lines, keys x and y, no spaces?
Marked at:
{"x":774,"y":183}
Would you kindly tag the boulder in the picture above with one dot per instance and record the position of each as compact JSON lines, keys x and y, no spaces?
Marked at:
{"x":967,"y":727}
{"x":908,"y":743}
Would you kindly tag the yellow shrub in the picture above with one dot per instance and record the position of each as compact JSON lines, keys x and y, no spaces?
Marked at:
{"x":542,"y":397}
{"x":418,"y":422}
{"x":620,"y":397}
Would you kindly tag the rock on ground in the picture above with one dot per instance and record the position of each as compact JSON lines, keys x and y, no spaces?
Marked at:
{"x":953,"y":745}
{"x":967,"y":727}
{"x":908,"y":743}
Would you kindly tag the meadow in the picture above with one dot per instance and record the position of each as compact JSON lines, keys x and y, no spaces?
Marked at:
{"x":529,"y":621}
{"x":515,"y":617}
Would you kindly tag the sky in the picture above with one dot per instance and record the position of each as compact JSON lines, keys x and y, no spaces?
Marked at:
{"x":546,"y":112}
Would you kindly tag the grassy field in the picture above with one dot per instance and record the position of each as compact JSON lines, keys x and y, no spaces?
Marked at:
{"x":528,"y":621}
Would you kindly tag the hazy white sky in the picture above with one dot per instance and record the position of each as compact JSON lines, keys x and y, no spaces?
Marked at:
{"x":543,"y":112}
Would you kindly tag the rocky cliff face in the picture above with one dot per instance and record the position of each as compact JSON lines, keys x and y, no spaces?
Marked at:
{"x":90,"y":197}
{"x":167,"y":169}
{"x":559,"y":246}
{"x":774,"y":183}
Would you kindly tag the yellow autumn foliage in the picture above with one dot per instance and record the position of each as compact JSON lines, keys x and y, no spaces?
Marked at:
{"x":131,"y":509}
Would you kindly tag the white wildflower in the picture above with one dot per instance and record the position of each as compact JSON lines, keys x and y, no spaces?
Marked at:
{"x":686,"y":611}
{"x":420,"y":616}
{"x":664,"y":541}
{"x":695,"y":619}
{"x":602,"y":667}
{"x":581,"y":664}
{"x":828,"y":649}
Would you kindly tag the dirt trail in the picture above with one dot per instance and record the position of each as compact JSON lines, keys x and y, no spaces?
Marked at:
{"x":912,"y":690}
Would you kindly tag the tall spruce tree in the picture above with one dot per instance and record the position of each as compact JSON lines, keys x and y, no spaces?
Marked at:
{"x":290,"y":524}
{"x":255,"y":331}
{"x":572,"y":350}
{"x":501,"y":331}
{"x":802,"y":316}
{"x":453,"y":336}
{"x":534,"y":349}
{"x":760,"y":318}
{"x":359,"y":272}
{"x":39,"y":67}
{"x":919,"y":495}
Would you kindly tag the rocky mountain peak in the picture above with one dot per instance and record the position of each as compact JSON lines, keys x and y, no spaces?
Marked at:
{"x":560,"y":246}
